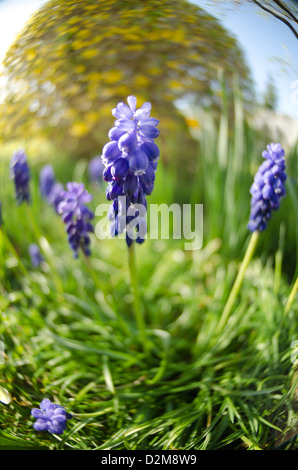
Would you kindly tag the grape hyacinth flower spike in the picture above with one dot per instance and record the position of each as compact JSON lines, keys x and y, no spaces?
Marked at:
{"x":50,"y":417}
{"x":46,"y":180}
{"x":268,"y":187}
{"x":76,"y":216}
{"x":50,"y":189}
{"x":267,"y":190}
{"x":130,"y":160}
{"x":20,"y":173}
{"x":95,"y":169}
{"x":35,"y":255}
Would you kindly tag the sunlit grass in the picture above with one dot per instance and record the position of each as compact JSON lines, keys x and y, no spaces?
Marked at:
{"x":195,"y":390}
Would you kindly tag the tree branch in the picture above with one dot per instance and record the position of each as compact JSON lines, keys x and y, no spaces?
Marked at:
{"x":286,"y":9}
{"x":276,"y":15}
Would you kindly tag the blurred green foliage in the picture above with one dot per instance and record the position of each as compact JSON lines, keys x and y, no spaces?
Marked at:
{"x":75,"y":60}
{"x":270,"y":96}
{"x":195,"y":390}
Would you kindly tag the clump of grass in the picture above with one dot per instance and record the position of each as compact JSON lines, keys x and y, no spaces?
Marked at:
{"x":195,"y":390}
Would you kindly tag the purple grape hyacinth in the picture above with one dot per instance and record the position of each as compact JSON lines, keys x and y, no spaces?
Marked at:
{"x":268,"y":187}
{"x":35,"y":255}
{"x":20,"y":172}
{"x":50,"y":417}
{"x":95,"y":169}
{"x":50,"y":189}
{"x":55,"y":196}
{"x":76,"y":215}
{"x":46,"y":180}
{"x":130,"y":160}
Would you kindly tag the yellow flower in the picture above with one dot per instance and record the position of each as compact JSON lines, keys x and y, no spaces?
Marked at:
{"x":89,"y":53}
{"x":78,"y":129}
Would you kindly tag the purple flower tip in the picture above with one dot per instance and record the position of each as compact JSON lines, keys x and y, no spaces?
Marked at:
{"x":76,"y":216}
{"x":20,"y":173}
{"x":35,"y":255}
{"x":95,"y":169}
{"x":50,"y":417}
{"x":50,"y":189}
{"x":268,"y":187}
{"x":130,"y":160}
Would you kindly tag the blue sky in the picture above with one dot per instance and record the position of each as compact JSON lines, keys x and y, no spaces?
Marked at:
{"x":13,"y":15}
{"x":267,"y":43}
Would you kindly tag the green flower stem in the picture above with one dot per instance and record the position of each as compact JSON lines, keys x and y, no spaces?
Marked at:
{"x":136,"y":298}
{"x":291,"y":297}
{"x":38,"y":235}
{"x":101,"y":288}
{"x":9,"y":246}
{"x":238,"y":281}
{"x":93,"y":415}
{"x":31,"y":220}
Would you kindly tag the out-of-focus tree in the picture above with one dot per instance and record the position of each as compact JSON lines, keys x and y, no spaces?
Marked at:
{"x":270,"y":97}
{"x":75,"y":60}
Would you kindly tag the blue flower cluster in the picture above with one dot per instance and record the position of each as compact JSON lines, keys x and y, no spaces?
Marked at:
{"x":20,"y":173}
{"x":268,"y":187}
{"x":76,"y":215}
{"x":50,"y":189}
{"x":35,"y":255}
{"x":50,"y":417}
{"x":130,"y":160}
{"x":95,"y":169}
